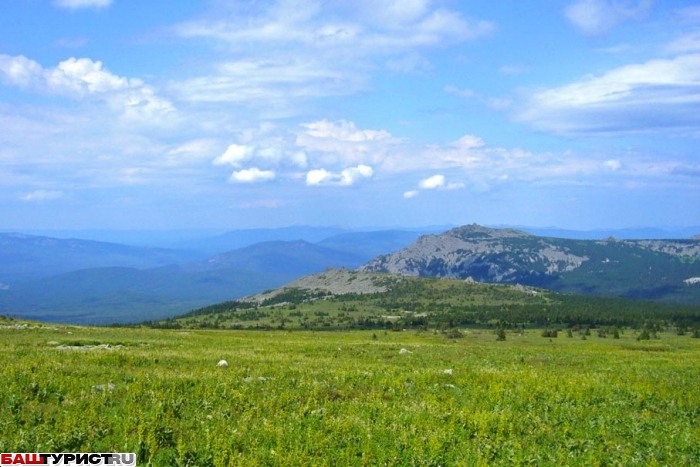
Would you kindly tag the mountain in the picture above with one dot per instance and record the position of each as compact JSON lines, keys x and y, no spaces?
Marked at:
{"x":631,"y":233}
{"x":163,"y":238}
{"x":297,"y":258}
{"x":125,"y":294}
{"x":24,"y":257}
{"x":345,"y":299}
{"x":371,"y":244}
{"x":650,"y":269}
{"x":245,"y":237}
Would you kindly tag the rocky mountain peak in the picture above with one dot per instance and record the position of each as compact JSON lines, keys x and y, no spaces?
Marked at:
{"x":476,"y":231}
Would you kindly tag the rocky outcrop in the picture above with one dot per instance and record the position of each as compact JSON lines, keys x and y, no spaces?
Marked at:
{"x":484,"y":254}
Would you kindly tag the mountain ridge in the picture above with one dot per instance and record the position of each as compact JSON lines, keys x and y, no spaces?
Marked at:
{"x":652,"y":269}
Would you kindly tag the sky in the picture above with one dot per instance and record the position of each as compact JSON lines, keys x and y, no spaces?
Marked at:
{"x":132,"y":114}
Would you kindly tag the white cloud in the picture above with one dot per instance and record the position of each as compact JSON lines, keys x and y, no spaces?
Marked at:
{"x":438,"y":182}
{"x":341,"y":143}
{"x":662,"y":94}
{"x":595,"y":17}
{"x":432,"y":183}
{"x":316,"y":49}
{"x":76,"y":4}
{"x":354,"y":174}
{"x":81,"y":78}
{"x":318,"y":177}
{"x":343,"y":131}
{"x":270,"y":82}
{"x":613,"y":164}
{"x":41,"y":195}
{"x":375,"y":28}
{"x":252,"y":175}
{"x":411,"y":194}
{"x":346,"y":177}
{"x":235,"y":155}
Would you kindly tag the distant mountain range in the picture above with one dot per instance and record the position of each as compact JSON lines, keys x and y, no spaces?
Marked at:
{"x":81,"y":281}
{"x":86,"y":281}
{"x":649,"y":269}
{"x":24,"y":257}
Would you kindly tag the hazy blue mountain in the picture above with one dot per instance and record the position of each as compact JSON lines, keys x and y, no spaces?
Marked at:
{"x":295,"y":257}
{"x":24,"y":257}
{"x":651,"y":269}
{"x":170,"y":238}
{"x":121,"y":294}
{"x":371,"y":244}
{"x":109,"y":295}
{"x":236,"y":239}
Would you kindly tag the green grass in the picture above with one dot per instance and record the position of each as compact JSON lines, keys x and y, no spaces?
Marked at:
{"x":346,"y":398}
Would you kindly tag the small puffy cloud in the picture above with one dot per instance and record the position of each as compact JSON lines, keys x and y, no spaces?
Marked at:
{"x":438,"y":182}
{"x":411,"y":194}
{"x":251,"y":175}
{"x":595,"y":17}
{"x":347,"y":177}
{"x":235,"y":154}
{"x":20,"y":71}
{"x":318,"y":177}
{"x":41,"y":195}
{"x":83,"y":76}
{"x":613,"y":164}
{"x":432,"y":183}
{"x":354,"y":174}
{"x":76,"y":4}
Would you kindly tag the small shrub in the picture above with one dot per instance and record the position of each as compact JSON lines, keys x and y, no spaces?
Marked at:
{"x":501,"y":334}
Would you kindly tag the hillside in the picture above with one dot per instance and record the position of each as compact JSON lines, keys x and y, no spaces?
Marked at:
{"x":344,"y":299}
{"x":650,"y":269}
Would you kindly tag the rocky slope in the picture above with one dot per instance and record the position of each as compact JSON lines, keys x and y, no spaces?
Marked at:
{"x":655,"y":269}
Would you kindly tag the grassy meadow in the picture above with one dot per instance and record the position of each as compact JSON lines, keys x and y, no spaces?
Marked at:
{"x":350,"y":398}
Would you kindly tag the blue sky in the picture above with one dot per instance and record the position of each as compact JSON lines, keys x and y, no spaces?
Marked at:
{"x":234,"y":114}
